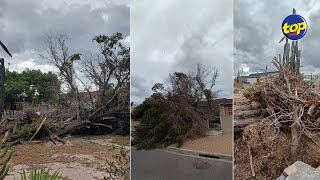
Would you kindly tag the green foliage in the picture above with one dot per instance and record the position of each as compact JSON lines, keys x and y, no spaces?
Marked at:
{"x":75,"y":57}
{"x":140,"y":110}
{"x":40,"y":174}
{"x":109,"y":41}
{"x":154,"y":128}
{"x":19,"y":86}
{"x":112,"y":45}
{"x":5,"y":157}
{"x":173,"y":113}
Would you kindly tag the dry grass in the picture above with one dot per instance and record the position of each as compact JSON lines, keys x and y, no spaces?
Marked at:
{"x":270,"y":150}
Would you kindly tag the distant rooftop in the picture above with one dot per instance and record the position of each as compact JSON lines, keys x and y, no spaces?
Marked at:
{"x":311,"y":77}
{"x":257,"y":75}
{"x":216,"y":101}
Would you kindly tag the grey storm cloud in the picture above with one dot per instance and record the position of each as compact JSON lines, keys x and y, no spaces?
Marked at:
{"x":175,"y":36}
{"x":24,"y":23}
{"x":257,"y":29}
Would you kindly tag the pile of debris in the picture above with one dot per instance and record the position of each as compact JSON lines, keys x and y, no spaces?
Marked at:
{"x":278,"y":125}
{"x":28,"y":125}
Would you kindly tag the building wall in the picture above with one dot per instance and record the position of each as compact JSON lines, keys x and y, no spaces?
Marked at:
{"x":252,"y":80}
{"x":226,"y":117}
{"x":316,"y":85}
{"x":16,"y":105}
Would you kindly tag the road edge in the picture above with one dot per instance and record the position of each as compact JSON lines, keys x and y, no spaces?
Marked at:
{"x":200,"y":153}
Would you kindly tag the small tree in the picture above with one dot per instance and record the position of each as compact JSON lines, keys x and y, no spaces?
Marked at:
{"x":22,"y":86}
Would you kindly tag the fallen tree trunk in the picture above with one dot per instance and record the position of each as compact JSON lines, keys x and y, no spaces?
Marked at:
{"x":251,"y":106}
{"x":244,"y":122}
{"x":72,"y":127}
{"x":247,"y":113}
{"x":112,"y":121}
{"x":112,"y":117}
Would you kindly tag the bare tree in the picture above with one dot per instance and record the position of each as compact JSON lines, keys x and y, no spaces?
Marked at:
{"x":57,"y":53}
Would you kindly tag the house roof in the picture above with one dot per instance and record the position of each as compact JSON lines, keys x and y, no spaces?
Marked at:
{"x":217,"y":102}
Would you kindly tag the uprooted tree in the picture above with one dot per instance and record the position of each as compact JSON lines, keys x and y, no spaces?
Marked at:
{"x":173,"y":113}
{"x":109,"y":72}
{"x":278,"y":124}
{"x":101,"y":109}
{"x":291,"y":104}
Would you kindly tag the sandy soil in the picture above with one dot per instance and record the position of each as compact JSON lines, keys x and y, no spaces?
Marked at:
{"x":221,"y":144}
{"x":81,"y":158}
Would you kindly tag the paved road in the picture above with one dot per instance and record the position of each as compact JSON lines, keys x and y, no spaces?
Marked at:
{"x":160,"y":165}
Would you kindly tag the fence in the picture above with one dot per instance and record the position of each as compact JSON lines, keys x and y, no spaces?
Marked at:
{"x":10,"y":114}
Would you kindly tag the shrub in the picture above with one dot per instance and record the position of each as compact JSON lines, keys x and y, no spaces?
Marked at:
{"x":40,"y":174}
{"x":250,"y":93}
{"x":5,"y":157}
{"x":120,"y":168}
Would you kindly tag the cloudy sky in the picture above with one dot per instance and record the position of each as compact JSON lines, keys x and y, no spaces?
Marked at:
{"x":258,"y":32}
{"x":23,"y":24}
{"x":169,"y":36}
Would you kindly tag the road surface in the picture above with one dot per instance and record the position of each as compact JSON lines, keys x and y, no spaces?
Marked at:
{"x":161,"y":165}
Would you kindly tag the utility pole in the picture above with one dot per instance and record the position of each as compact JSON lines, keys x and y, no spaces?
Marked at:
{"x":2,"y":79}
{"x":2,"y":90}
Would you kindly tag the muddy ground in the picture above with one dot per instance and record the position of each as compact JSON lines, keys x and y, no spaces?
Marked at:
{"x":80,"y":158}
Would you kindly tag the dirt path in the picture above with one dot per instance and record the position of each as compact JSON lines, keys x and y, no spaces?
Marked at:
{"x":81,"y":158}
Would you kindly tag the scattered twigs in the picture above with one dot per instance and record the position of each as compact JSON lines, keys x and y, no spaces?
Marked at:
{"x":251,"y":164}
{"x":103,"y":125}
{"x":5,"y":138}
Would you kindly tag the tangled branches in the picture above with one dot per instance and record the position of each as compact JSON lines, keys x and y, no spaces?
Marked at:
{"x":290,"y":102}
{"x":291,"y":105}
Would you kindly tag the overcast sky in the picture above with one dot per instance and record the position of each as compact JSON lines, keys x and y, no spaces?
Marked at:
{"x":23,"y":24}
{"x":258,"y":32}
{"x":169,"y":36}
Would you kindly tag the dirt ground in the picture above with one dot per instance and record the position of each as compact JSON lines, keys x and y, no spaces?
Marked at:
{"x":79,"y":158}
{"x":221,"y":144}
